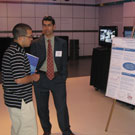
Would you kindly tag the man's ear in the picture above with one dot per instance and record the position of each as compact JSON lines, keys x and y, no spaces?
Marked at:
{"x":54,"y":27}
{"x":19,"y":39}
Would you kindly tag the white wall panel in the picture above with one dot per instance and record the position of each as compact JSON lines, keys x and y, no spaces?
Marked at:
{"x":81,"y":49}
{"x":78,"y":12}
{"x":57,"y":34}
{"x":12,"y":22}
{"x":128,"y":21}
{"x":41,"y":10}
{"x":3,"y":24}
{"x":90,"y":12}
{"x":28,"y":10}
{"x":66,"y":23}
{"x":69,"y":34}
{"x":90,"y":24}
{"x":3,"y":10}
{"x":66,"y":11}
{"x":88,"y":48}
{"x":96,"y":24}
{"x":30,"y":21}
{"x":54,"y":11}
{"x":80,"y":36}
{"x":58,"y":23}
{"x":78,"y":24}
{"x":96,"y":37}
{"x":14,"y":10}
{"x":117,"y":14}
{"x":97,"y":12}
{"x":97,"y":1}
{"x":89,"y":37}
{"x":129,"y":9}
{"x":38,"y":24}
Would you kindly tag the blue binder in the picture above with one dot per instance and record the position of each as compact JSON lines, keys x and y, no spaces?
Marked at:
{"x":33,"y":62}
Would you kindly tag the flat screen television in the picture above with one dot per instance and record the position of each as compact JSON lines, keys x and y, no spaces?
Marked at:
{"x":128,"y":31}
{"x":106,"y":33}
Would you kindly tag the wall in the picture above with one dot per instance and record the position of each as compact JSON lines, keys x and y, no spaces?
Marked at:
{"x":117,"y":13}
{"x":77,"y":19}
{"x":129,"y":15}
{"x":112,"y":15}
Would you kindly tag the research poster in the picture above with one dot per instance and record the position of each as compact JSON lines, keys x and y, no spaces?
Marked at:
{"x":121,"y":79}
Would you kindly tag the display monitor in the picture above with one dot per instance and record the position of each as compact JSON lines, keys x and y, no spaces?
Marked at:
{"x":106,"y":34}
{"x":128,"y":31}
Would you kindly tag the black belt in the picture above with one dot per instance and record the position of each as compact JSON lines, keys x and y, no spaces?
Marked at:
{"x":43,"y":72}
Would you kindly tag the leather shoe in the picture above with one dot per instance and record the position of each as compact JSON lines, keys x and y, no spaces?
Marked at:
{"x":47,"y":133}
{"x":71,"y":134}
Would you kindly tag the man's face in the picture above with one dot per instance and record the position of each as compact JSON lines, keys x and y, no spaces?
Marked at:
{"x":27,"y":39}
{"x":48,"y":28}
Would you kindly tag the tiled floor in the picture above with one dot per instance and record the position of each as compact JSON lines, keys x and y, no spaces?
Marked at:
{"x":79,"y":67}
{"x":88,"y":109}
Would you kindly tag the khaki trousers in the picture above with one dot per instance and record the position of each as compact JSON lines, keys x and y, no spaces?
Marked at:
{"x":23,"y":120}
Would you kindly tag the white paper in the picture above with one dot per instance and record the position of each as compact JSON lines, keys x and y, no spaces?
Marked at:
{"x":121,"y":79}
{"x":58,"y":54}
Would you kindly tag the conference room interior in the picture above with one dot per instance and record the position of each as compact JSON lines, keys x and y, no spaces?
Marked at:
{"x":88,"y":27}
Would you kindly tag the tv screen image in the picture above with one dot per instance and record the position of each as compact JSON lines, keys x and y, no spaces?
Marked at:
{"x":106,"y":34}
{"x":128,"y":31}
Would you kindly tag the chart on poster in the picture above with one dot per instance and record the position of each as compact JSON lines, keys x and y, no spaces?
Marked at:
{"x":121,"y":79}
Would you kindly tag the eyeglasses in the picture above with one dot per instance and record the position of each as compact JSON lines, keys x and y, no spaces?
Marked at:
{"x":31,"y":36}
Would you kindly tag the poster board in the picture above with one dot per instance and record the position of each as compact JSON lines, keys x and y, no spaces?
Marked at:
{"x":121,"y":79}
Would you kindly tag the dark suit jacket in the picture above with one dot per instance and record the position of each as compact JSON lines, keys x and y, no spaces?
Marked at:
{"x":38,"y":49}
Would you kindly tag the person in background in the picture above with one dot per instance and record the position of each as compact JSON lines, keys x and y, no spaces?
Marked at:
{"x":17,"y":82}
{"x":52,"y":66}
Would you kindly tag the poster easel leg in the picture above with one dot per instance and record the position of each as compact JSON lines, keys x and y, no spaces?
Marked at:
{"x":110,"y":116}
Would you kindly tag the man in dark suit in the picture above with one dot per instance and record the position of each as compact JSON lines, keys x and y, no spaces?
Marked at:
{"x":52,"y":66}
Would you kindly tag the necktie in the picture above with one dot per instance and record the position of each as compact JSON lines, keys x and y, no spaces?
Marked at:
{"x":50,"y":65}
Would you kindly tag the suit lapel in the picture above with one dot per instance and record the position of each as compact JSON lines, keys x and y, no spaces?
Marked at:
{"x":43,"y":46}
{"x":55,"y":45}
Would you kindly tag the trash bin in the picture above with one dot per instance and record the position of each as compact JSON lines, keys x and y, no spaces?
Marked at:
{"x":74,"y":49}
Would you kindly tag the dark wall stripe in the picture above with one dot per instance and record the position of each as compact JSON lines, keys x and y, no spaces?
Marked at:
{"x":114,"y":3}
{"x":46,"y":3}
{"x":68,"y":4}
{"x":40,"y":31}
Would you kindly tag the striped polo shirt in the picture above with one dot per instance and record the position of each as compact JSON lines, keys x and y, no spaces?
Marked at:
{"x":15,"y":65}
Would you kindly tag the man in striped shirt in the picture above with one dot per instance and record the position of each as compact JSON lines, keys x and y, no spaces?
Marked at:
{"x":17,"y":83}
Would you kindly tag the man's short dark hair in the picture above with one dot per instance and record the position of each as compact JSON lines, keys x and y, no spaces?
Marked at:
{"x":20,"y":29}
{"x":48,"y":18}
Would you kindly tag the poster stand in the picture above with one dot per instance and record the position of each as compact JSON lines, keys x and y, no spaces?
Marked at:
{"x":114,"y":100}
{"x":110,"y":116}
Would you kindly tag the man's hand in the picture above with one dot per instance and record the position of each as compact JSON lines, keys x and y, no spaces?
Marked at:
{"x":27,"y":79}
{"x":35,"y":77}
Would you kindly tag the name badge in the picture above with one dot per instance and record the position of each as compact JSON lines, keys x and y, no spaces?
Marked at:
{"x":58,"y":54}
